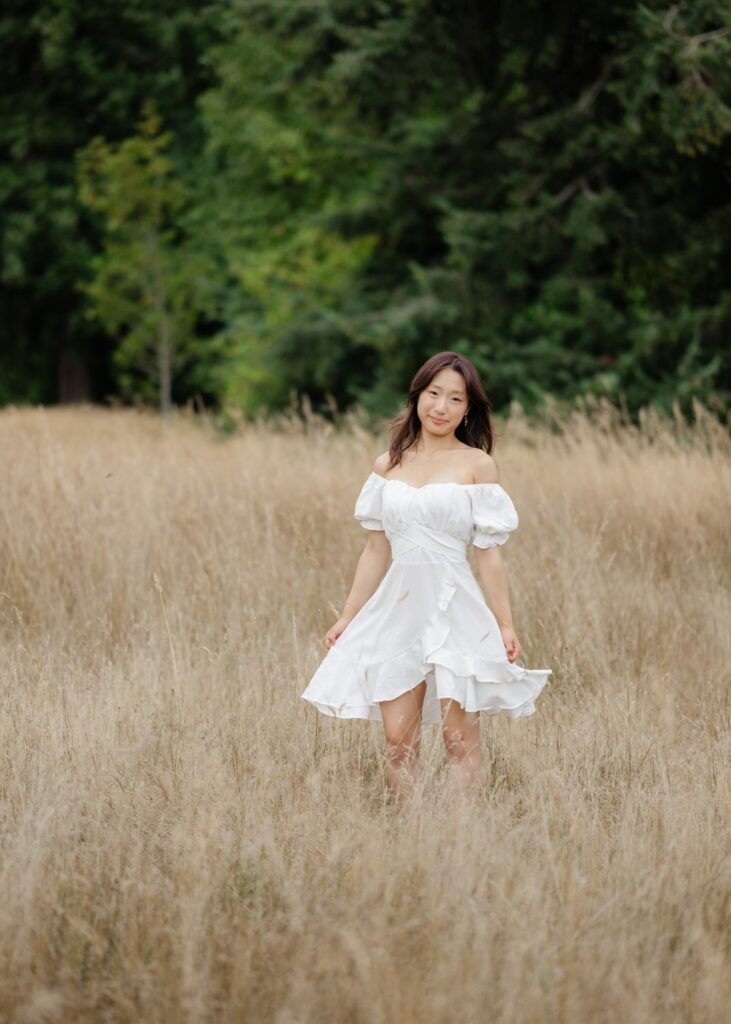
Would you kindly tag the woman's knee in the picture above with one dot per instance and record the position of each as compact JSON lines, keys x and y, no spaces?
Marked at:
{"x":402,"y":719}
{"x":460,"y":742}
{"x":399,"y":746}
{"x":454,"y":739}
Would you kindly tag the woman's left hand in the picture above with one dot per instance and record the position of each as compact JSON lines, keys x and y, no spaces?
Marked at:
{"x":512,"y":647}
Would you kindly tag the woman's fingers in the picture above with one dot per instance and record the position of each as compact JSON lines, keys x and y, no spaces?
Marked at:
{"x":512,"y":649}
{"x":330,"y":638}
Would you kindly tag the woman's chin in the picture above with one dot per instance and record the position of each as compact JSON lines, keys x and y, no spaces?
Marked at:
{"x":435,"y":431}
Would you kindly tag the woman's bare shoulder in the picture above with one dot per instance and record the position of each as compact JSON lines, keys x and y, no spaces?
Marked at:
{"x":380,"y":463}
{"x":484,"y":467}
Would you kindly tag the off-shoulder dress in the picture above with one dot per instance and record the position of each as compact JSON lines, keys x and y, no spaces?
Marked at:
{"x":428,"y":618}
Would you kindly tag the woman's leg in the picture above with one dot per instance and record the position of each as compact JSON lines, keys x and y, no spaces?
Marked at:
{"x":402,"y":732}
{"x":461,"y":732}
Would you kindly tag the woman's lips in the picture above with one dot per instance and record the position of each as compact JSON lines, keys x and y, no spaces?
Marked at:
{"x":435,"y":420}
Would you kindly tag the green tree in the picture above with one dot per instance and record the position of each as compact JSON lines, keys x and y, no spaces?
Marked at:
{"x":539,"y":186}
{"x":275,"y":216}
{"x":143,"y":286}
{"x":69,"y":72}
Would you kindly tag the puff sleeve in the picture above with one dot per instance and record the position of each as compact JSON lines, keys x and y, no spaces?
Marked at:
{"x":493,"y":515}
{"x":368,"y":503}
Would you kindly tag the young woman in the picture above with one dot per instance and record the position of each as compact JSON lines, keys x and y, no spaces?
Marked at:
{"x":416,"y":641}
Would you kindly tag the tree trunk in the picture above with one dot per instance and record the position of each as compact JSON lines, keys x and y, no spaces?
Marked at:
{"x":74,"y":384}
{"x":165,"y":339}
{"x":165,"y":363}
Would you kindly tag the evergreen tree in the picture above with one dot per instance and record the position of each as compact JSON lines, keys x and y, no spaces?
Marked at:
{"x":540,"y":186}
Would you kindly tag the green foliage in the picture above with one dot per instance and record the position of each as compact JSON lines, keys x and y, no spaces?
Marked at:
{"x":280,"y":188}
{"x":143,"y":284}
{"x":540,"y":187}
{"x":349,"y":187}
{"x":69,"y":72}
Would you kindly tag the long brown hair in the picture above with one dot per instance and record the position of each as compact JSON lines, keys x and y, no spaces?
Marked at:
{"x":478,"y":432}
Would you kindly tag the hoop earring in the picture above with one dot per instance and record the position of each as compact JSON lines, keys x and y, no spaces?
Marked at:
{"x":465,"y":419}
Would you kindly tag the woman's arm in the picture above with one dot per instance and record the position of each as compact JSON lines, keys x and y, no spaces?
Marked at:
{"x":493,"y":573}
{"x":494,"y":577}
{"x":369,"y":572}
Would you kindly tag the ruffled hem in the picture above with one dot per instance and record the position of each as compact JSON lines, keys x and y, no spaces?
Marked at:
{"x":345,"y":688}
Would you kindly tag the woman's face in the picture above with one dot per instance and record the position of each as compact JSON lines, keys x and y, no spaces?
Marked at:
{"x":442,"y":403}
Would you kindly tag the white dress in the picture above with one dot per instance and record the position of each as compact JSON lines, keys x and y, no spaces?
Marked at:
{"x":428,"y":618}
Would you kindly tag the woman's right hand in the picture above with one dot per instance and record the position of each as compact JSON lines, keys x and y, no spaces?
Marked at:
{"x":334,"y":632}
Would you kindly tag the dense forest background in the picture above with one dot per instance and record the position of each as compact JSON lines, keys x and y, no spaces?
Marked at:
{"x":240,"y":201}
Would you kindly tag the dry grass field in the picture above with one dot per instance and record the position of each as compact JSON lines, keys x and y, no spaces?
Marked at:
{"x":185,"y":839}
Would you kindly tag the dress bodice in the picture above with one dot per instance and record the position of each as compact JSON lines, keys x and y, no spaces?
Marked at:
{"x":437,"y":521}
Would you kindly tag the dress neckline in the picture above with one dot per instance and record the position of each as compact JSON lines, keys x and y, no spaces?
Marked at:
{"x":435,"y":483}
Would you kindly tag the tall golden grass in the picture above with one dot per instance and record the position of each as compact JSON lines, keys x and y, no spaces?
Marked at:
{"x":185,"y":839}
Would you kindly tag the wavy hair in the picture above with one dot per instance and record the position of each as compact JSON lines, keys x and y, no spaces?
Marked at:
{"x":477,"y":432}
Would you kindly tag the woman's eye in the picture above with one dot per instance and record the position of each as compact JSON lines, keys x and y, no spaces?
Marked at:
{"x":454,"y":398}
